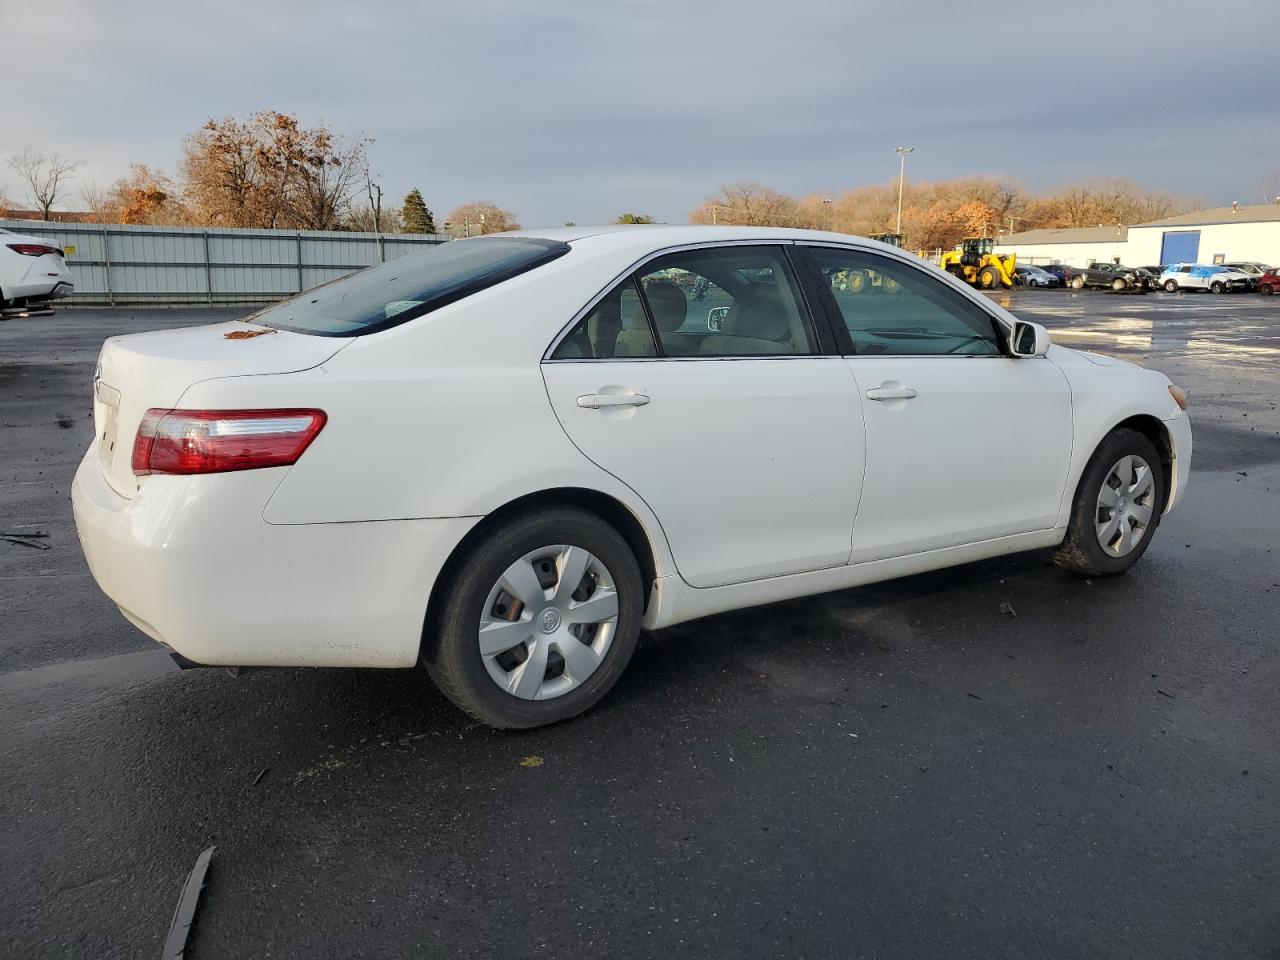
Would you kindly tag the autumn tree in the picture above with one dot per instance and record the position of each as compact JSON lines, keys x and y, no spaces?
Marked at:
{"x":144,"y":196}
{"x":46,"y":178}
{"x":472,"y":219}
{"x":635,"y":218}
{"x":269,"y":171}
{"x":415,"y":216}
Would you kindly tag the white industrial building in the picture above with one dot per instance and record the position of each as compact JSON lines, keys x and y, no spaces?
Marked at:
{"x":1222,"y":235}
{"x":1076,"y":246}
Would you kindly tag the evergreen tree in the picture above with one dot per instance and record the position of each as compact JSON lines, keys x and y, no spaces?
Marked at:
{"x":416,"y":217}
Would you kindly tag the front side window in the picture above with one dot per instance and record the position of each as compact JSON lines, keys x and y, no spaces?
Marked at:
{"x":408,"y":287}
{"x":890,"y":307}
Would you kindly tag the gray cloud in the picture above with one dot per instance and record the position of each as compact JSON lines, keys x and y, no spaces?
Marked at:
{"x":565,"y":110}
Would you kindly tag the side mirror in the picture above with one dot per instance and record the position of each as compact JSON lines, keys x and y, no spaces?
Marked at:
{"x":1029,"y":340}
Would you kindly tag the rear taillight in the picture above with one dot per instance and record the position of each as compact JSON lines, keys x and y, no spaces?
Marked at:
{"x":218,"y":441}
{"x":33,"y":249}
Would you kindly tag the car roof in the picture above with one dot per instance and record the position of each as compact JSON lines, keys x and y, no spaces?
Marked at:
{"x":620,"y":236}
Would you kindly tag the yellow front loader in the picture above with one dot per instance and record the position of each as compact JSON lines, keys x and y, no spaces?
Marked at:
{"x":975,"y":263}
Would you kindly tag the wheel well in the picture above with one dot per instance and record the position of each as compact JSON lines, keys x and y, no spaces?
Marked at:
{"x":607,"y":508}
{"x":1155,"y":431}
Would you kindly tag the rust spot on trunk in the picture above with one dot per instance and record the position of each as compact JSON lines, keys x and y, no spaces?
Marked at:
{"x":247,"y":334}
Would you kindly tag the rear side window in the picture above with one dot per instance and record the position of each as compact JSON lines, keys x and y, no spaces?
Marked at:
{"x":393,"y":293}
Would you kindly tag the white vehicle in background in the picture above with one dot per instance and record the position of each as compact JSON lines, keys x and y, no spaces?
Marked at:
{"x":33,"y":271}
{"x":503,"y":457}
{"x":1204,"y":276}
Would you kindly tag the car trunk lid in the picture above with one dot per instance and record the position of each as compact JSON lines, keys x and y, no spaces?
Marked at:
{"x":141,"y":371}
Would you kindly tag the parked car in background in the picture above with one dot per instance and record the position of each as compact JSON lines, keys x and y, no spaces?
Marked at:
{"x":1112,"y":276}
{"x":1269,"y":282}
{"x":1252,"y":269}
{"x":1033,"y":276}
{"x":1203,"y":276}
{"x":33,"y":271}
{"x":1059,"y":270}
{"x":319,"y":483}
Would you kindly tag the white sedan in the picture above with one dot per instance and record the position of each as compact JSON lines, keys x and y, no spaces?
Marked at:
{"x":505,"y":457}
{"x":32,"y":271}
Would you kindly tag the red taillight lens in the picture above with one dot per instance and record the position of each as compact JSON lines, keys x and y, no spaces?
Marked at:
{"x":219,"y":441}
{"x":33,"y":249}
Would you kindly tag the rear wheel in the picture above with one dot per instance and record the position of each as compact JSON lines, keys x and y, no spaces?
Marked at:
{"x":538,"y":621}
{"x":988,"y":278}
{"x":1171,"y":286}
{"x":1117,"y":506}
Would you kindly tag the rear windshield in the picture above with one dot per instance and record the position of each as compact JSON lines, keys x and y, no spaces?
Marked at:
{"x":392,"y":293}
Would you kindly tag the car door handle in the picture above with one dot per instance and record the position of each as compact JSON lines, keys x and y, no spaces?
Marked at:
{"x":594,"y":401}
{"x":890,"y":391}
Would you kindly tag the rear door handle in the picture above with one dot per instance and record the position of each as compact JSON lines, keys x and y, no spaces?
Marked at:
{"x":594,"y":401}
{"x":890,"y":390}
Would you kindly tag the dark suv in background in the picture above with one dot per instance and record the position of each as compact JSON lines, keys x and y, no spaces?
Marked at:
{"x":1112,"y":276}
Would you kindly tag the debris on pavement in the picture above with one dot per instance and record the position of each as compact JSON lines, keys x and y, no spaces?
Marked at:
{"x":531,"y":761}
{"x":175,"y":944}
{"x":258,"y":779}
{"x":27,"y":539}
{"x":1007,"y":609}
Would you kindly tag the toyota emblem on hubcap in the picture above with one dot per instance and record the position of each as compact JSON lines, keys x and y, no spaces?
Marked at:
{"x":550,"y":620}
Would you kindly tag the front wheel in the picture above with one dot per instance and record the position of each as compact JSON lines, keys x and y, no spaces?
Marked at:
{"x":538,"y":621}
{"x":1117,"y":506}
{"x":1267,"y":291}
{"x":1171,"y":286}
{"x":1216,"y":287}
{"x":1077,"y":283}
{"x":988,"y":279}
{"x":1117,"y":284}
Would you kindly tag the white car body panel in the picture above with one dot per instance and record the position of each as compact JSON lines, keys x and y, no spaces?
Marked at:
{"x":437,"y":423}
{"x":761,"y":459}
{"x":981,"y":452}
{"x":26,"y":277}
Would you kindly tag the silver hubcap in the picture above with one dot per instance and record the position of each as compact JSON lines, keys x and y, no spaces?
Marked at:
{"x":1125,"y":504}
{"x":548,"y":622}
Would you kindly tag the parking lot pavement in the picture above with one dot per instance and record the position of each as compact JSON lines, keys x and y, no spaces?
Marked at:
{"x":993,"y":761}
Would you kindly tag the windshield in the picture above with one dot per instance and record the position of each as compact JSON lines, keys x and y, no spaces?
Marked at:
{"x":392,"y":293}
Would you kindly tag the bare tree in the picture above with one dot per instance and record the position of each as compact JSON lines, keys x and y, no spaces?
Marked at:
{"x":748,"y":204}
{"x":46,"y":177}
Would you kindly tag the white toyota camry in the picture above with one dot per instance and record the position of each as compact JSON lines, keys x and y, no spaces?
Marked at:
{"x":504,"y":457}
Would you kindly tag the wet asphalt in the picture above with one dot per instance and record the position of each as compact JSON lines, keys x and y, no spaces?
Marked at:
{"x":998,"y":760}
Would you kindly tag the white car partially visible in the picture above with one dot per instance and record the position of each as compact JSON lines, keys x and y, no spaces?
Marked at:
{"x":503,"y":457}
{"x":33,"y":271}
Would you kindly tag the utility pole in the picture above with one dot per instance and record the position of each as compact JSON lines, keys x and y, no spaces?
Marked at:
{"x":902,"y":178}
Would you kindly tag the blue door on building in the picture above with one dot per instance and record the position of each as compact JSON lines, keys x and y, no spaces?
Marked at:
{"x":1180,"y":246}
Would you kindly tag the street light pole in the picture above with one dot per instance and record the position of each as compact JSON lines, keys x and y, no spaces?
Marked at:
{"x":902,"y":176}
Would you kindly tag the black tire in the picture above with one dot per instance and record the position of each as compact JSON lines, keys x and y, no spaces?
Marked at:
{"x":1080,"y":550}
{"x":1077,"y":283}
{"x":1171,"y":286}
{"x":1117,"y":284}
{"x":988,"y":278}
{"x":1267,"y":291}
{"x":451,"y":652}
{"x":1216,"y":287}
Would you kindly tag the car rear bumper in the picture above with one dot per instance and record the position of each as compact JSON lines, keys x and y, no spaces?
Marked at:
{"x":191,"y":563}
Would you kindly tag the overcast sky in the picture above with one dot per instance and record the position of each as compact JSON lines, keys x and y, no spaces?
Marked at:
{"x":577,"y":110}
